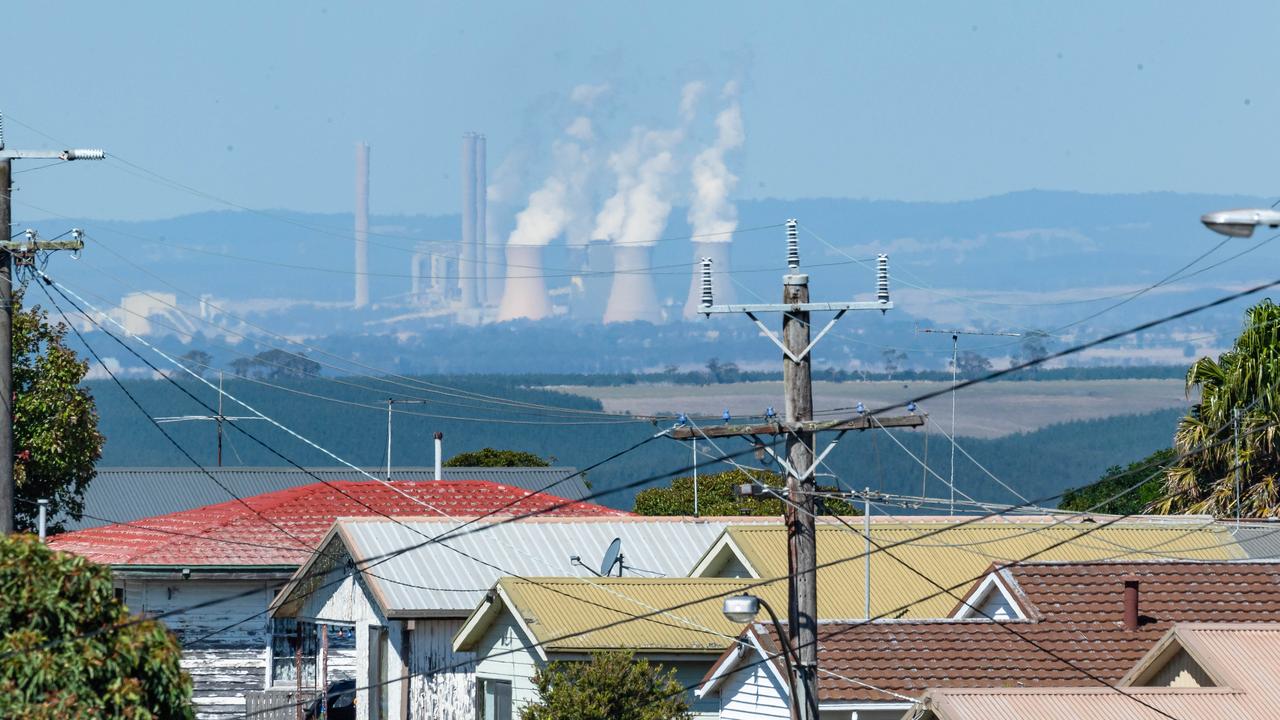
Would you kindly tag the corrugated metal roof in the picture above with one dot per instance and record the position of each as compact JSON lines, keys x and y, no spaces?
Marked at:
{"x":128,"y":494}
{"x":1261,"y":542}
{"x":429,"y":578}
{"x":282,"y":528}
{"x":571,"y":614}
{"x":955,"y":556}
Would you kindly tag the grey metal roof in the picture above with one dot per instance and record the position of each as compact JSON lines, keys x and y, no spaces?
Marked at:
{"x":1259,"y":541}
{"x":429,"y":578}
{"x":128,"y":494}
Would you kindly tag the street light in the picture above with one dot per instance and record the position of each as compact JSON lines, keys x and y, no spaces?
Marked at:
{"x":1240,"y":223}
{"x":743,"y":609}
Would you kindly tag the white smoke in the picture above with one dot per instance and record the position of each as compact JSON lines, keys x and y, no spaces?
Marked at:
{"x":560,"y":199}
{"x":587,"y":95}
{"x":690,"y":94}
{"x":712,"y":216}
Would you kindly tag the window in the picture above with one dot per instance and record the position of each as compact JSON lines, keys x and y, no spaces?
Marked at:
{"x":288,"y":636}
{"x":493,"y":701}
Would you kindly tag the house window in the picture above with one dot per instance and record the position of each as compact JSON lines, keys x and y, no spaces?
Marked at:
{"x":493,"y":700}
{"x":288,"y":636}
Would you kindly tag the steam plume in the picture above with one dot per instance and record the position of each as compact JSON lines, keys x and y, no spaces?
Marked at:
{"x":711,"y":215}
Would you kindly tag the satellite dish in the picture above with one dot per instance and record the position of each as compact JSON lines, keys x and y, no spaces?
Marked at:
{"x":612,"y":556}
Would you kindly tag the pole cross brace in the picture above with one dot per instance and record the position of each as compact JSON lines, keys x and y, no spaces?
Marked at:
{"x":813,"y":467}
{"x":782,"y":346}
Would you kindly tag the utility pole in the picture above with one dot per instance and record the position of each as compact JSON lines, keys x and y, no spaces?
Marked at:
{"x":799,"y":430}
{"x":8,"y":491}
{"x":955,"y":380}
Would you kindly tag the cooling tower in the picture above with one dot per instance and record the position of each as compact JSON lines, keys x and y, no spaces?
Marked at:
{"x":724,"y":295}
{"x":632,"y":296}
{"x":525,"y":295}
{"x":362,"y":225}
{"x":483,"y":271}
{"x":467,"y":257}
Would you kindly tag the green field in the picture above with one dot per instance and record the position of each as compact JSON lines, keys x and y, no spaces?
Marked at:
{"x":988,"y":410}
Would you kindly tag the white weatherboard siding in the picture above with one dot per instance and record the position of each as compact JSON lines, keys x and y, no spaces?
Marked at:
{"x":233,"y":659}
{"x":752,"y":693}
{"x":504,"y":654}
{"x":449,"y":693}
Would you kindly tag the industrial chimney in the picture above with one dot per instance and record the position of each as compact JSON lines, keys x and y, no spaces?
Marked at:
{"x":632,"y":297}
{"x":467,"y":256}
{"x":362,"y":225}
{"x":525,"y":295}
{"x":719,"y":254}
{"x":483,"y":270}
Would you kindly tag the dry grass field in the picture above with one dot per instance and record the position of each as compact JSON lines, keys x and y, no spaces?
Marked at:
{"x":988,"y":410}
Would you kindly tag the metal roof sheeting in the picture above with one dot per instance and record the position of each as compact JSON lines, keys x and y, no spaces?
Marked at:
{"x":435,"y":578}
{"x":578,"y":615}
{"x":955,"y":556}
{"x":128,"y":494}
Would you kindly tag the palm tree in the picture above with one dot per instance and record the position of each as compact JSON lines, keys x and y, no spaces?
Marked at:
{"x":1246,"y":377}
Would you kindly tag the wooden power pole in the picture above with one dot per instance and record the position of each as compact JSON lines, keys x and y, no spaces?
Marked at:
{"x":800,"y":431}
{"x":9,"y":250}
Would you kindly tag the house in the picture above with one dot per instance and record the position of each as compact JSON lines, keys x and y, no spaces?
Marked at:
{"x":405,"y":599}
{"x":228,"y":561}
{"x":951,"y":555}
{"x":120,"y":495}
{"x":1206,"y":671}
{"x":1065,"y":624}
{"x":524,"y":624}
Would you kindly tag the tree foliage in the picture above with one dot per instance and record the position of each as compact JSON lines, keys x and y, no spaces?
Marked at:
{"x":69,"y":649}
{"x":716,"y":496}
{"x":1147,"y":474}
{"x":612,"y":686}
{"x":1245,"y":378}
{"x":55,"y":422}
{"x":490,"y":457}
{"x":197,"y":361}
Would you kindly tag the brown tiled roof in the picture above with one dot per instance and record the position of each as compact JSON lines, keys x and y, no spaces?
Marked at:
{"x":1078,"y":610}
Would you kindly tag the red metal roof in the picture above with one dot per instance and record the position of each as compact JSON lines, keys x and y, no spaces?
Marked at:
{"x":1077,"y":613}
{"x":236,"y":533}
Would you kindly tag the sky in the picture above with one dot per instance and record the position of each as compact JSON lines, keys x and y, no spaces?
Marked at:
{"x":260,"y":104}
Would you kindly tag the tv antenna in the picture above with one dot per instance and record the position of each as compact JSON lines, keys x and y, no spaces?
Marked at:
{"x":613,"y":557}
{"x":217,"y":419}
{"x":955,"y":378}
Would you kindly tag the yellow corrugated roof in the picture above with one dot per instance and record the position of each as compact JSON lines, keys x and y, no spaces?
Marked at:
{"x":564,"y":613}
{"x":955,"y":556}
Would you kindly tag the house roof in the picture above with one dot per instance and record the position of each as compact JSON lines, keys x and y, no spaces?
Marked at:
{"x":585,"y":614}
{"x":452,"y":577}
{"x":282,"y":528}
{"x":1240,"y":658}
{"x":128,"y":494}
{"x":953,"y":556}
{"x":1076,"y":611}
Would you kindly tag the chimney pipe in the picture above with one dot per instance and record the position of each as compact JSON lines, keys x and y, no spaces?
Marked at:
{"x":439,"y":454}
{"x":1131,"y":603}
{"x":43,"y":522}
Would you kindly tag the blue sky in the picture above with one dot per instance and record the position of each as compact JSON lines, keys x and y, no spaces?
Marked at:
{"x":261,"y":103}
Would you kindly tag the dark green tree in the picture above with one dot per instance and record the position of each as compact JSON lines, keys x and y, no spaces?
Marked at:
{"x":281,"y":364}
{"x":970,"y":364}
{"x":716,"y":496}
{"x":55,"y":421}
{"x":1148,"y":471}
{"x":197,"y":361}
{"x":1246,"y":377}
{"x":612,"y":686}
{"x":69,"y":649}
{"x":489,"y":457}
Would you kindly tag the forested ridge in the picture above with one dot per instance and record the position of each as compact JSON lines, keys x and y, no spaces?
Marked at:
{"x":352,"y":424}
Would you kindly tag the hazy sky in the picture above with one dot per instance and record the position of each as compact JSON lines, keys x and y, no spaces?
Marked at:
{"x":260,"y":103}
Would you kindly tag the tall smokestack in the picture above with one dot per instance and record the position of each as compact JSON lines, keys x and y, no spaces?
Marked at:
{"x":719,"y":254}
{"x":632,"y":297}
{"x":467,"y":256}
{"x":483,"y":270}
{"x":525,"y":295}
{"x":362,"y":225}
